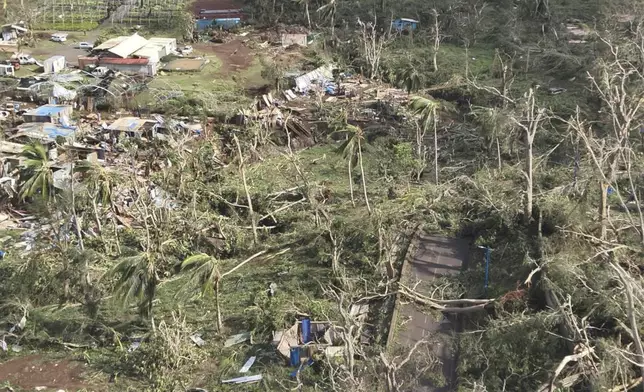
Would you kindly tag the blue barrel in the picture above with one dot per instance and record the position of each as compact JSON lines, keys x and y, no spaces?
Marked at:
{"x":295,"y":356}
{"x":306,"y":330}
{"x":2,"y":254}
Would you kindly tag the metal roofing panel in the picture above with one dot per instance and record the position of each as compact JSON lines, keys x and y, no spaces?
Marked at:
{"x":129,"y":124}
{"x":108,"y":60}
{"x":130,"y":45}
{"x":150,"y":51}
{"x":110,"y":43}
{"x":11,"y":148}
{"x":44,"y":131}
{"x":48,"y":110}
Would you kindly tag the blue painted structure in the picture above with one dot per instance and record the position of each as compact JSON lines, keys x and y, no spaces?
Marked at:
{"x":224,"y":23}
{"x":403,"y":24}
{"x":47,"y":113}
{"x":295,"y":356}
{"x":306,"y":330}
{"x":488,"y":254}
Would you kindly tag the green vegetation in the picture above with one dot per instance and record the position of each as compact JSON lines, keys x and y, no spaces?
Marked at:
{"x":492,"y":122}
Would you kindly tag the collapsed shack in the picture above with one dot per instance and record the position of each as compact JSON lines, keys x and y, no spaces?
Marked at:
{"x":132,"y":127}
{"x":309,"y":340}
{"x":10,"y":157}
{"x":270,"y":115}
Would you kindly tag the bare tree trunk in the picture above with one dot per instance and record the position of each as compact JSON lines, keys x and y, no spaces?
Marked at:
{"x":220,"y":324}
{"x":353,"y":200}
{"x":603,"y":209}
{"x":248,"y":198}
{"x":498,"y":153}
{"x":308,"y":15}
{"x":364,"y":179}
{"x":528,"y":173}
{"x":435,"y":148}
{"x":437,"y":40}
{"x":633,"y":329}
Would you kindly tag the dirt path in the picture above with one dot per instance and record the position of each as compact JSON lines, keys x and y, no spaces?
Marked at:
{"x":234,"y":55}
{"x":432,"y":258}
{"x":33,"y":371}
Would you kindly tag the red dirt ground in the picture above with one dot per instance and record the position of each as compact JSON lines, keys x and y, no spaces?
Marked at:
{"x":234,"y":55}
{"x":34,"y":371}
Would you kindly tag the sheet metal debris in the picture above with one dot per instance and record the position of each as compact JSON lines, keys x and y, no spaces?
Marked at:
{"x":196,"y":339}
{"x":236,"y":339}
{"x":247,"y":365}
{"x":243,"y":380}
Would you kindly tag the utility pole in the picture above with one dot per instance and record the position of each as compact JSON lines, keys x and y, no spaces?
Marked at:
{"x":488,"y":253}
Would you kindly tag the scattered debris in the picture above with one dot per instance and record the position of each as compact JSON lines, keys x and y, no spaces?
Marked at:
{"x":247,"y":365}
{"x":236,"y":339}
{"x":272,"y":289}
{"x":243,"y":380}
{"x":556,"y":90}
{"x":319,"y":75}
{"x":196,"y":339}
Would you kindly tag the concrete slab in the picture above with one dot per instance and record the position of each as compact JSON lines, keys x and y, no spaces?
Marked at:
{"x":432,"y":258}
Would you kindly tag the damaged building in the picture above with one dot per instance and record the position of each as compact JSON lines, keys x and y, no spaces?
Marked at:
{"x":131,"y":55}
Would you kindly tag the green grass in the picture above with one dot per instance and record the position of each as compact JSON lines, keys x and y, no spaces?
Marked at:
{"x":203,"y":80}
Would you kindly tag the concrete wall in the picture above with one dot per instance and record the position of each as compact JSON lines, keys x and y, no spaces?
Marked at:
{"x":149,"y":69}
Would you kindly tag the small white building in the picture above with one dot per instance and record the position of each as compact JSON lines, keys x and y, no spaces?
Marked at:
{"x":6,"y":70}
{"x":54,"y":64}
{"x":167,"y":45}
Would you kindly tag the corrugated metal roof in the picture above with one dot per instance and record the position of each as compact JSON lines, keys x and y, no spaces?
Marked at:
{"x":43,"y":131}
{"x":48,"y":110}
{"x":130,"y":45}
{"x":109,"y":60}
{"x":129,"y":124}
{"x":110,"y":43}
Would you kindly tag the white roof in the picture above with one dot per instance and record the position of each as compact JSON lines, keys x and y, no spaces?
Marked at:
{"x":148,"y":51}
{"x":110,"y":43}
{"x":128,"y":46}
{"x":409,"y":20}
{"x":164,"y":41}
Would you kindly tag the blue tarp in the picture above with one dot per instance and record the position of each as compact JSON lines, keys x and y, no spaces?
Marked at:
{"x":224,"y":23}
{"x":46,"y":110}
{"x":404,"y":24}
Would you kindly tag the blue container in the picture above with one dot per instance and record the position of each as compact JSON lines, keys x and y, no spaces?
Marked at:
{"x":306,"y":330}
{"x":2,"y":254}
{"x":295,"y":356}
